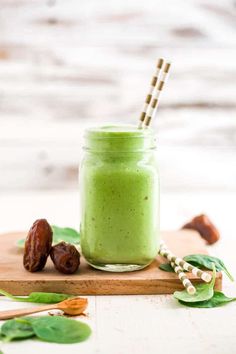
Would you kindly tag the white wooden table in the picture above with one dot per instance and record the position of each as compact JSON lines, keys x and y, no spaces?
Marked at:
{"x":137,"y":324}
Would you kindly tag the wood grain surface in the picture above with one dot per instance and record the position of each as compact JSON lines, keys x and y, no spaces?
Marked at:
{"x":15,"y":279}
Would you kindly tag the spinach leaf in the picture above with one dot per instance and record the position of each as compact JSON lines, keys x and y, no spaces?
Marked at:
{"x":59,"y":329}
{"x":47,"y":298}
{"x":201,"y":261}
{"x":166,"y":267}
{"x":206,"y":261}
{"x":38,"y":297}
{"x":204,"y":291}
{"x":14,"y":329}
{"x":66,"y":234}
{"x":21,"y":243}
{"x":218,"y":299}
{"x":55,"y":329}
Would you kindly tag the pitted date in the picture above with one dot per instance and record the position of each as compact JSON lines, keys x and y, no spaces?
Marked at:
{"x":65,"y":257}
{"x":37,"y":246}
{"x":205,"y":227}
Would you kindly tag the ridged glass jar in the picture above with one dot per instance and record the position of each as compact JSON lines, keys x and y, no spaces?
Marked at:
{"x":119,"y":189}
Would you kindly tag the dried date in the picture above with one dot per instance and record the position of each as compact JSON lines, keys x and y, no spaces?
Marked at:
{"x":37,"y":246}
{"x":205,"y":227}
{"x":65,"y":257}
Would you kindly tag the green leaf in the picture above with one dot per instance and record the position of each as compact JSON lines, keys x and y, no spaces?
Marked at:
{"x":21,"y":243}
{"x":38,"y":297}
{"x":204,"y":291}
{"x":14,"y":329}
{"x":66,"y":234}
{"x":10,"y":296}
{"x":218,"y":299}
{"x":201,"y":261}
{"x":47,"y":298}
{"x":59,"y":329}
{"x":206,"y":261}
{"x":166,"y":267}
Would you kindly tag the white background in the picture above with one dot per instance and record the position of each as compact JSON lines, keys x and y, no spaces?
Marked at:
{"x":66,"y":64}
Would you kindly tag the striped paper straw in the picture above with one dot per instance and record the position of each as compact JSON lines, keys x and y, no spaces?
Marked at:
{"x":151,"y":89}
{"x":165,"y":252}
{"x":155,"y":97}
{"x":183,"y":278}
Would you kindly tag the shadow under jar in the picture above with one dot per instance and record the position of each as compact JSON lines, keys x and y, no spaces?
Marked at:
{"x":119,"y":189}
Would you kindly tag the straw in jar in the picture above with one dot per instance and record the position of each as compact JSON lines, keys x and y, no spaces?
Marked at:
{"x":152,"y":99}
{"x":156,"y":95}
{"x":153,"y":84}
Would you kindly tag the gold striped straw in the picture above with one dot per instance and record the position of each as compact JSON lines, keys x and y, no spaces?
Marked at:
{"x":165,"y":252}
{"x":154,"y":80}
{"x":155,"y":97}
{"x":183,"y":278}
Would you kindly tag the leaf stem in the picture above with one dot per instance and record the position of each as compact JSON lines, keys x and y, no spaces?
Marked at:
{"x":228,"y":274}
{"x":16,"y":298}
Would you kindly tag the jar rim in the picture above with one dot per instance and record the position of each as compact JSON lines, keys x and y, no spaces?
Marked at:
{"x":118,"y":132}
{"x":119,"y":139}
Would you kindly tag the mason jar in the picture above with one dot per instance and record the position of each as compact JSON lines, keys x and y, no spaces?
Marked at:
{"x":119,"y":191}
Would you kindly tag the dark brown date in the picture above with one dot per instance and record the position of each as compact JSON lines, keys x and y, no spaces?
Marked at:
{"x":37,"y":246}
{"x":65,"y":257}
{"x":205,"y":227}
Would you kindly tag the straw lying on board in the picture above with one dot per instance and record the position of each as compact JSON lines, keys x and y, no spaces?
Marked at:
{"x":165,"y":252}
{"x":183,"y":278}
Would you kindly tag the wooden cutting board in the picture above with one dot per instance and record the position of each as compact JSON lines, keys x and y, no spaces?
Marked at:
{"x":88,"y":281}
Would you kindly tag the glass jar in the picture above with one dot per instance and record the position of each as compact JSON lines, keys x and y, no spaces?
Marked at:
{"x":119,"y":189}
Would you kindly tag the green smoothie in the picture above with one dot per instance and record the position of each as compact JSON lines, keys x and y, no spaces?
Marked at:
{"x":119,"y":187}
